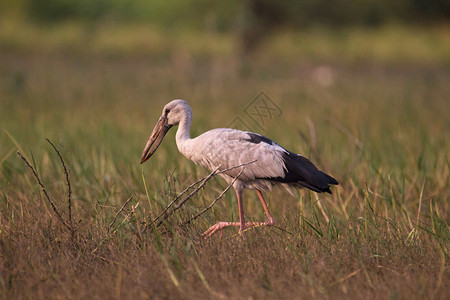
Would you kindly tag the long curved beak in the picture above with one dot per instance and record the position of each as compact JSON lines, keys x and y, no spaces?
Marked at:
{"x":155,"y":138}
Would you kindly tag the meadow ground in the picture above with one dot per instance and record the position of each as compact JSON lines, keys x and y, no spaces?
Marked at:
{"x":369,"y":107}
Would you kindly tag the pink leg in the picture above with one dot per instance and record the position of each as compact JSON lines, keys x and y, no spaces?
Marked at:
{"x":269,"y":221}
{"x":221,"y":225}
{"x":241,"y":211}
{"x":243,"y":225}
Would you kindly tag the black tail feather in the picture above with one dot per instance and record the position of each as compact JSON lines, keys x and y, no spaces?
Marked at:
{"x":331,"y":180}
{"x":302,"y":172}
{"x":314,"y":188}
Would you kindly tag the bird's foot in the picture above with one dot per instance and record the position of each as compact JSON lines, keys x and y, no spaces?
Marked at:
{"x":216,"y":227}
{"x":269,"y":221}
{"x":248,"y":225}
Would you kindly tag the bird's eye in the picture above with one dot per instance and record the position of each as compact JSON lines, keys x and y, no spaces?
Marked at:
{"x":166,"y":112}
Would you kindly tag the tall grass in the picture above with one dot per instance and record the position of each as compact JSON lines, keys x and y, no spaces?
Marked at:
{"x":379,"y":128}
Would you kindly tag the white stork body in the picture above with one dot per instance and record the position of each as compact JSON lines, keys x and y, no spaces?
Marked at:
{"x":227,"y":148}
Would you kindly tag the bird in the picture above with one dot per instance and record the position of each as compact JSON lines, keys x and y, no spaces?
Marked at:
{"x":263,"y":163}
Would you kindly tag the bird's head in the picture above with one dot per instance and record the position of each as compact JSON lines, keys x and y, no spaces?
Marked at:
{"x":173,"y":113}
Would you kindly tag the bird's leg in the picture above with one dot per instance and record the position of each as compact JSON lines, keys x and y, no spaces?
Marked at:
{"x":242,"y":224}
{"x":269,"y":221}
{"x":241,"y":211}
{"x":218,"y":226}
{"x":221,"y":225}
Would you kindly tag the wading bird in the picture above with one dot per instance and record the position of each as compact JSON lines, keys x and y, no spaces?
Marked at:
{"x":225,"y":148}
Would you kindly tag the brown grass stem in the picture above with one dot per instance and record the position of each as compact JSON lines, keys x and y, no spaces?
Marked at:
{"x":45,"y":192}
{"x":117,"y":214}
{"x":69,"y":187}
{"x":108,"y":232}
{"x":420,"y":204}
{"x":215,"y":200}
{"x":346,"y":277}
{"x":319,"y":205}
{"x":203,"y":181}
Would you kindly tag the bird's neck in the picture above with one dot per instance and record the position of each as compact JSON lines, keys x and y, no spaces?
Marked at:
{"x":182,"y":135}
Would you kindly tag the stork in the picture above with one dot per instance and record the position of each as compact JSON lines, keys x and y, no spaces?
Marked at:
{"x":225,"y":148}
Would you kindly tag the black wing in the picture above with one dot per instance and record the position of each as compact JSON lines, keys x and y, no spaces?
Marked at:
{"x":300,"y":171}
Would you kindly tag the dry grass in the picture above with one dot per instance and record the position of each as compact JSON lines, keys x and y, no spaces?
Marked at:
{"x":381,"y":130}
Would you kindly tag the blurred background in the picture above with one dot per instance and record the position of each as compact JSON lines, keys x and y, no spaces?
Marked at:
{"x":149,"y":26}
{"x":248,"y":21}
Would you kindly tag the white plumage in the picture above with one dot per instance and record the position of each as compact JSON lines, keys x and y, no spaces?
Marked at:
{"x":226,"y":148}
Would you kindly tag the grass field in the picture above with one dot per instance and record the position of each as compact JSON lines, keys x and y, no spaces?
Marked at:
{"x":377,"y":120}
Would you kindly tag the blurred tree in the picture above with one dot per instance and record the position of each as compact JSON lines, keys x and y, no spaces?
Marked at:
{"x":431,"y":9}
{"x":260,"y":17}
{"x":257,"y":19}
{"x":57,"y":10}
